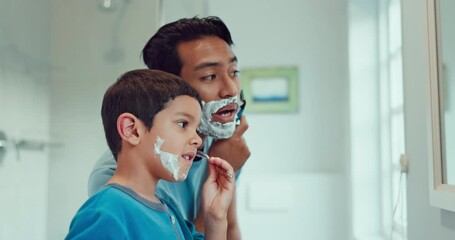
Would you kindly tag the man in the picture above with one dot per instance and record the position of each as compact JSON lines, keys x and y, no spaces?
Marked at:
{"x":199,"y":51}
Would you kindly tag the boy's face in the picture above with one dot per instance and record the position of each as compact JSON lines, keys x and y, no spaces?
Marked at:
{"x":210,"y":66}
{"x":173,"y":140}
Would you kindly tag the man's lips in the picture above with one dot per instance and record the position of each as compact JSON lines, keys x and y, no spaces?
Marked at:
{"x":225,"y":114}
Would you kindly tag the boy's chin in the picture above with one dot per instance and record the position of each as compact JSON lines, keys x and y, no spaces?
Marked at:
{"x":182,"y":177}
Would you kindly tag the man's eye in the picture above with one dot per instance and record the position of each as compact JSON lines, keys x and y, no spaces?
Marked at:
{"x":183,"y":124}
{"x":235,"y":73}
{"x":209,"y":77}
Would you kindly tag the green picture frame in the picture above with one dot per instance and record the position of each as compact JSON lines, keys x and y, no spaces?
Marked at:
{"x":270,"y":89}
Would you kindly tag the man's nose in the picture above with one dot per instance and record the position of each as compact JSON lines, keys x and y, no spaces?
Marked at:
{"x":229,"y":87}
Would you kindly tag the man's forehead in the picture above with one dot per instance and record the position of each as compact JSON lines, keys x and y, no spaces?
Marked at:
{"x":205,"y":52}
{"x":208,"y":64}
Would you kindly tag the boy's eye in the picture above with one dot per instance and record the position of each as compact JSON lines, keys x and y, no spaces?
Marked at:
{"x":182,"y":124}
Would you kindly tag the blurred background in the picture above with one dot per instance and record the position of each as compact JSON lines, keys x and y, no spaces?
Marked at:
{"x":328,"y":171}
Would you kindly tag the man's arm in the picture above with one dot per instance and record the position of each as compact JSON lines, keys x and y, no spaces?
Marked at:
{"x":103,"y":170}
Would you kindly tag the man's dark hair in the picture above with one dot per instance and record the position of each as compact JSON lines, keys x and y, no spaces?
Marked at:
{"x":143,"y":93}
{"x":160,"y":52}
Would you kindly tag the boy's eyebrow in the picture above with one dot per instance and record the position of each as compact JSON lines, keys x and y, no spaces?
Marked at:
{"x":212,"y":64}
{"x":188,"y":115}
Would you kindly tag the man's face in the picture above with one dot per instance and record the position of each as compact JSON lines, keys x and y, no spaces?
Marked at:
{"x":210,"y":66}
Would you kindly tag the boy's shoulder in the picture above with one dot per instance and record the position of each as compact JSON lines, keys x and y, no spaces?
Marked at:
{"x":107,"y":213}
{"x":115,"y":202}
{"x":107,"y":197}
{"x":99,"y":212}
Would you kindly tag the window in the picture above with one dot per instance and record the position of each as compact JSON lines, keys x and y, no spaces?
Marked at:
{"x":393,"y":183}
{"x":378,"y":187}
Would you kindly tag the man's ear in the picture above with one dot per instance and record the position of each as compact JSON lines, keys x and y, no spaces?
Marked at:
{"x":127,"y":126}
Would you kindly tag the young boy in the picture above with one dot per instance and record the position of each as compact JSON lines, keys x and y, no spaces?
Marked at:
{"x":150,"y":120}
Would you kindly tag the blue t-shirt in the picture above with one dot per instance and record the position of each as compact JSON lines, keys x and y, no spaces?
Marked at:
{"x":117,"y":212}
{"x":185,"y":196}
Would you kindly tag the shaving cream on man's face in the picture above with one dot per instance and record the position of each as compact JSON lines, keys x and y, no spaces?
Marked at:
{"x":217,"y":130}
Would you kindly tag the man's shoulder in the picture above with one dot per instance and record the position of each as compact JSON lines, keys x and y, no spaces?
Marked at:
{"x":106,"y":160}
{"x":102,"y":171}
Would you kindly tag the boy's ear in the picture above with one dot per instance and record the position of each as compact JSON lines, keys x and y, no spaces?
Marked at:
{"x":127,"y":126}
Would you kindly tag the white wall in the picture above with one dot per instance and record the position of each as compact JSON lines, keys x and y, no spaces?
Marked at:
{"x":292,"y":206}
{"x":83,"y":37}
{"x":302,"y":157}
{"x":313,"y":36}
{"x":424,"y":222}
{"x":24,"y":115}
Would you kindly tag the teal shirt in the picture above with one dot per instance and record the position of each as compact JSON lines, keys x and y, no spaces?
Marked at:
{"x":185,"y":196}
{"x":117,"y":212}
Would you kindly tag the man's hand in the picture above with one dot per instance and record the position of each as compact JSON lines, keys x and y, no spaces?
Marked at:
{"x":234,"y":149}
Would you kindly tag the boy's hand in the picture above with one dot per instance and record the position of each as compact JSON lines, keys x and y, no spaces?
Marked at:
{"x":218,"y":190}
{"x":233,"y":149}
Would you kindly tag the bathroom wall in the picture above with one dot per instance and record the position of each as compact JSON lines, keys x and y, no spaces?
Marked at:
{"x":311,"y":35}
{"x":91,"y":47}
{"x":24,"y":116}
{"x":299,"y":160}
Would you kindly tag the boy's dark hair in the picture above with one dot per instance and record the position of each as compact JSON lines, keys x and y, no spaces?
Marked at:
{"x":143,"y":93}
{"x":160,"y":52}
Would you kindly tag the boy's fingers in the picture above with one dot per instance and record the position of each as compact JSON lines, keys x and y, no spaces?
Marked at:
{"x":223,"y":166}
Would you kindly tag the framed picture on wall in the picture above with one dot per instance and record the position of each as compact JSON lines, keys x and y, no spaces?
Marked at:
{"x":270,"y":89}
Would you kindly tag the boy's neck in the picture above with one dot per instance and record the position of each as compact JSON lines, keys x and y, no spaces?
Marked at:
{"x":139,"y":188}
{"x":135,"y":176}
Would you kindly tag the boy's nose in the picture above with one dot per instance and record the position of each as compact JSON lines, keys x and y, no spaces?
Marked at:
{"x":196,"y":140}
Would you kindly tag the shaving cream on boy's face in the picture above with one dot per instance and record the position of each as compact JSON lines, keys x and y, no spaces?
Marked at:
{"x":215,"y":129}
{"x":170,"y":161}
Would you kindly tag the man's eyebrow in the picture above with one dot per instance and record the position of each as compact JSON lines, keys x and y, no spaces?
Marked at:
{"x":213,"y":64}
{"x":233,"y":59}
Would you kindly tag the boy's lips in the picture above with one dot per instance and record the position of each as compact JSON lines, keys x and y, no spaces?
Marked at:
{"x":225,"y":114}
{"x":189,"y":156}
